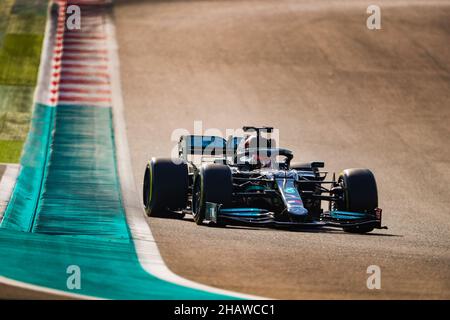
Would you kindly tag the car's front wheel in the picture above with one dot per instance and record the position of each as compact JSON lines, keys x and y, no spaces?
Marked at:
{"x":212,"y":184}
{"x":359,"y":194}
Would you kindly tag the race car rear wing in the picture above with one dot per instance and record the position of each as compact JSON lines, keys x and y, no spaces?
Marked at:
{"x":215,"y":146}
{"x":201,"y":145}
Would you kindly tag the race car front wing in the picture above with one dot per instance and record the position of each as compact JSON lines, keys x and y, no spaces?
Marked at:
{"x":262,"y":217}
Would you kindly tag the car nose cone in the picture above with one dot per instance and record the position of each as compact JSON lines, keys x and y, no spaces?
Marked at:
{"x":298,"y":211}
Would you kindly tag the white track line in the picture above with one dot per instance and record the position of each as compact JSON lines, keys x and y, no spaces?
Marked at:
{"x":42,"y":94}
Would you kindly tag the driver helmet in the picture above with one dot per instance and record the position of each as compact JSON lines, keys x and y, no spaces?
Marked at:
{"x":261,"y":159}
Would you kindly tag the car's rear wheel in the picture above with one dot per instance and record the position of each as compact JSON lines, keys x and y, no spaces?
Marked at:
{"x":212,"y":184}
{"x":359,"y":194}
{"x":165,"y":187}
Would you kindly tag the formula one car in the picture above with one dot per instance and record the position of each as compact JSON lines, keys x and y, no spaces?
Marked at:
{"x":249,"y":181}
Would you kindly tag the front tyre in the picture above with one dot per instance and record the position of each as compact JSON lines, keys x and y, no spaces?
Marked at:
{"x":360,"y":194}
{"x":165,"y":187}
{"x":212,"y":184}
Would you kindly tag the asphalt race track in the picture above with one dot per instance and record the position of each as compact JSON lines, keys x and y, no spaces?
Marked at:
{"x":338,"y":92}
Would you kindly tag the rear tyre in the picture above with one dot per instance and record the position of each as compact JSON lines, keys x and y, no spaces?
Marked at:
{"x":165,"y":187}
{"x":212,"y":184}
{"x":360,"y":194}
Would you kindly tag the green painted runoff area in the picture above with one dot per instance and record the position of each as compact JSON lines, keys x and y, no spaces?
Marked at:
{"x":66,"y":210}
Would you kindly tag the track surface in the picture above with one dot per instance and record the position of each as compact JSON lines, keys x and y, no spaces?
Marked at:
{"x":339,"y":93}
